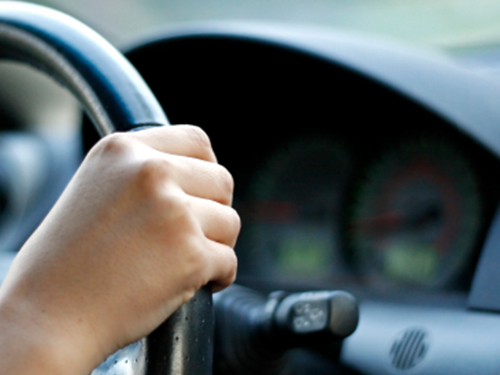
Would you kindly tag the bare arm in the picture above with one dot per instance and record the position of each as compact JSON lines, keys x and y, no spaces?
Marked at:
{"x":145,"y":222}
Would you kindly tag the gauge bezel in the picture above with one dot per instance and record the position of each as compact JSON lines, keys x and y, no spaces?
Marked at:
{"x":457,"y":276}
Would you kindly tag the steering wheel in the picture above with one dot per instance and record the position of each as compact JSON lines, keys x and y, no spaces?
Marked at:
{"x":116,"y":98}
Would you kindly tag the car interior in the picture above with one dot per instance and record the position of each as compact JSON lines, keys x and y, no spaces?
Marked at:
{"x":360,"y":165}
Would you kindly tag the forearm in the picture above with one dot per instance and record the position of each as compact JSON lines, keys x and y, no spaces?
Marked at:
{"x":29,"y":347}
{"x":38,"y":334}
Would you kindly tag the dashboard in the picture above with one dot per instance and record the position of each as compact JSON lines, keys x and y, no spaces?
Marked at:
{"x":340,"y":178}
{"x":359,"y":165}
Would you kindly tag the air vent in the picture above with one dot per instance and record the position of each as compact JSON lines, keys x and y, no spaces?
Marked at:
{"x":409,"y":348}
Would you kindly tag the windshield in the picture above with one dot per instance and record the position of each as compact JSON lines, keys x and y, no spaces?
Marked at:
{"x":451,"y":25}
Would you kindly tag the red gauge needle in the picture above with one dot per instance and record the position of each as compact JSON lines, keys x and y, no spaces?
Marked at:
{"x":397,"y":219}
{"x":386,"y":221}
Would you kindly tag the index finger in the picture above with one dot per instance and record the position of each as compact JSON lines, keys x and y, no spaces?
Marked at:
{"x":183,"y":140}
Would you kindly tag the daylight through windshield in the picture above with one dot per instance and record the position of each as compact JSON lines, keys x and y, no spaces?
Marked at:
{"x":449,"y":24}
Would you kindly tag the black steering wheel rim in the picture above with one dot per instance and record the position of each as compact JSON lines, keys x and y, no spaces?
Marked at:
{"x":116,"y":98}
{"x":109,"y":88}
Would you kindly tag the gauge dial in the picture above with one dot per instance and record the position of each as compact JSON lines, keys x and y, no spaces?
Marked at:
{"x":416,"y":216}
{"x":295,"y":204}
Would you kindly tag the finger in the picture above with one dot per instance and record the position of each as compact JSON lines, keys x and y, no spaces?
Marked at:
{"x":186,"y":140}
{"x":222,"y":265}
{"x":218,"y":222}
{"x":199,"y":178}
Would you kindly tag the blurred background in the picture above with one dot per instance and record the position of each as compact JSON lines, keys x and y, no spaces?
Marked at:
{"x":467,"y":29}
{"x":447,"y":24}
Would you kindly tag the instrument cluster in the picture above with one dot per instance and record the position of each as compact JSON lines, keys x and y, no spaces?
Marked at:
{"x":409,"y":212}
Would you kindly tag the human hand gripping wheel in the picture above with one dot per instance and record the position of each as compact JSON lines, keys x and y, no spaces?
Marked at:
{"x":147,"y":214}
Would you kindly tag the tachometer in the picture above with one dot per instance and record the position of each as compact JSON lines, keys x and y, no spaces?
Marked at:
{"x":416,"y":216}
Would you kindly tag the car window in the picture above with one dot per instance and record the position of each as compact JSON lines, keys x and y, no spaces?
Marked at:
{"x":448,"y":24}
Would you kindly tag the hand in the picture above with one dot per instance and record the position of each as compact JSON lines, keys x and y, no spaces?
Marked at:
{"x":145,"y":222}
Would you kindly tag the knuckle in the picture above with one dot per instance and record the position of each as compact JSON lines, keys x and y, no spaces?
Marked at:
{"x":173,"y":212}
{"x":232,"y":267}
{"x":229,"y":226}
{"x":116,"y":143}
{"x":166,"y":202}
{"x":153,"y":175}
{"x":176,"y":208}
{"x":230,"y":271}
{"x":226,"y":183}
{"x":200,"y":140}
{"x":150,"y":176}
{"x":235,"y":223}
{"x":196,"y":259}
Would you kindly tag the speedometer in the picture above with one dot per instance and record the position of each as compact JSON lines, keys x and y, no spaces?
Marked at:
{"x":416,"y":215}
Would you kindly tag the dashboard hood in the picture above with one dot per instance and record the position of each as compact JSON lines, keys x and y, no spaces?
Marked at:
{"x":465,"y":99}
